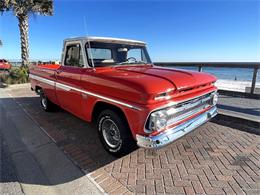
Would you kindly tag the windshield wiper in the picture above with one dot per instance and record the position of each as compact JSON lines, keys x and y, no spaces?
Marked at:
{"x":136,"y":62}
{"x":141,"y":62}
{"x":126,"y":62}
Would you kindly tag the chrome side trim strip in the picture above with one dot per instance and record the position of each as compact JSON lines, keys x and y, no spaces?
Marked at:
{"x":47,"y":81}
{"x":62,"y":86}
{"x":68,"y":88}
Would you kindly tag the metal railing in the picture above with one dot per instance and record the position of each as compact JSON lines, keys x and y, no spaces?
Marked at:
{"x":34,"y":62}
{"x":251,"y":65}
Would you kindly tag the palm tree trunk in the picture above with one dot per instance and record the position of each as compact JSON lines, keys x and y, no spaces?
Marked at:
{"x":24,"y":27}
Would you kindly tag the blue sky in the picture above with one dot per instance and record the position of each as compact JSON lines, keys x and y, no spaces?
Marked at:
{"x":192,"y":30}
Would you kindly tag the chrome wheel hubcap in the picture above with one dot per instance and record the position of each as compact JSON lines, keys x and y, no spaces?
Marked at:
{"x":111,"y":133}
{"x":44,"y":103}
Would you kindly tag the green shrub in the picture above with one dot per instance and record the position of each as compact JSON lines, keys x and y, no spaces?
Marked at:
{"x":3,"y":77}
{"x":17,"y":75}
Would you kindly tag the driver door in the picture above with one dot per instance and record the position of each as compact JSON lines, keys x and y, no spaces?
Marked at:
{"x":68,"y":78}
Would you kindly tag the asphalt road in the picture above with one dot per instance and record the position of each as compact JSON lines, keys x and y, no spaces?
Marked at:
{"x":9,"y":184}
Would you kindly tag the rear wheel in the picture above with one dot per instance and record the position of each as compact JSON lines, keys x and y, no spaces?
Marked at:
{"x":46,"y":104}
{"x":114,"y":133}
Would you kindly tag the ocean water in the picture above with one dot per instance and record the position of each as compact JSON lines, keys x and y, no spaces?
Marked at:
{"x":239,"y":74}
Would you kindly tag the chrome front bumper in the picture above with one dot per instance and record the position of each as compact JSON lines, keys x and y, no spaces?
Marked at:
{"x":170,"y":135}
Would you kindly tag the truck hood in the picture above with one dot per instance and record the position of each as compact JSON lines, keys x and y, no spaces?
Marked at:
{"x":180,"y":79}
{"x":140,"y":83}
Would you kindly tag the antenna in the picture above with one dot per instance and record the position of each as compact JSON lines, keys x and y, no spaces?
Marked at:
{"x":86,"y":29}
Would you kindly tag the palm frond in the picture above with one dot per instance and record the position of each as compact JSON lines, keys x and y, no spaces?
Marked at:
{"x":43,"y":7}
{"x":4,"y":5}
{"x":23,"y":7}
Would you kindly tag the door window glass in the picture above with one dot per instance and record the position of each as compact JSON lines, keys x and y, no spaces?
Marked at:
{"x":74,"y":56}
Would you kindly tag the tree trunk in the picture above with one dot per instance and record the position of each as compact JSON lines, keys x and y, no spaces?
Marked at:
{"x":24,"y":27}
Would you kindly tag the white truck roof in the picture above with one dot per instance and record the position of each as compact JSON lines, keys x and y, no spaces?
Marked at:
{"x":107,"y":40}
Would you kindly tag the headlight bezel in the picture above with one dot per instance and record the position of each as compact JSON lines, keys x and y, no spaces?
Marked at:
{"x":158,"y":120}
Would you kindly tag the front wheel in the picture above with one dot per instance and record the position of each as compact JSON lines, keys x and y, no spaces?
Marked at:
{"x":114,"y":133}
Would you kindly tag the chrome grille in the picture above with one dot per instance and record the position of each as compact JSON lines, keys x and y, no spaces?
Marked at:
{"x":186,"y":109}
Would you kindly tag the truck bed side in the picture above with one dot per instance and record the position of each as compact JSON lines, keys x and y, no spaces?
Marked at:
{"x":44,"y":77}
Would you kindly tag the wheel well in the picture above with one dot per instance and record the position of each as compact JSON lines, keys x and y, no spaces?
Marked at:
{"x":100,"y":106}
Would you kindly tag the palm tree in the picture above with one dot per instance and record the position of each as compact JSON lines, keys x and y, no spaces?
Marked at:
{"x":22,"y":9}
{"x":1,"y":43}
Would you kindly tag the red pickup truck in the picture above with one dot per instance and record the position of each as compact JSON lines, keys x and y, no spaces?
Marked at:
{"x":113,"y":83}
{"x":5,"y":65}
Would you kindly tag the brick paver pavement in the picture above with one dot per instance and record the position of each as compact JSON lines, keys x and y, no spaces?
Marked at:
{"x":214,"y":159}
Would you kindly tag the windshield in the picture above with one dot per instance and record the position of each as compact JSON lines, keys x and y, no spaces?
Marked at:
{"x":114,"y":54}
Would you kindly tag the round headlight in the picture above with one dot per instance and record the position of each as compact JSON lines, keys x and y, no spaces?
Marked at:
{"x":215,"y":99}
{"x":158,"y":120}
{"x":161,"y":123}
